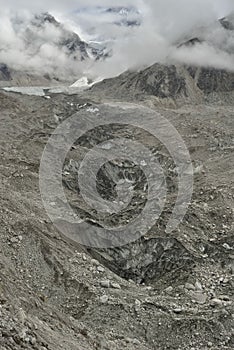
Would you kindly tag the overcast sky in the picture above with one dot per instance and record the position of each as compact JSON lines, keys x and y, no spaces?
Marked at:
{"x":221,"y":7}
{"x":169,"y":16}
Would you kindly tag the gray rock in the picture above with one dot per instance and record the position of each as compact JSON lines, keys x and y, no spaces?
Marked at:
{"x":189,"y":286}
{"x":132,"y":341}
{"x":198,"y":297}
{"x":105,"y":284}
{"x":178,"y":310}
{"x":198,"y":286}
{"x":95,"y":262}
{"x":216,"y":302}
{"x":14,"y":240}
{"x":104,"y":299}
{"x":169,"y":290}
{"x":115,"y":285}
{"x":224,"y":297}
{"x":100,"y":269}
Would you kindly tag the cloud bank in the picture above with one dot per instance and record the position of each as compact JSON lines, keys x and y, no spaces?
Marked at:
{"x":164,"y":25}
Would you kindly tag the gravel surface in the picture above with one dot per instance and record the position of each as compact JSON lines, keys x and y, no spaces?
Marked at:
{"x":56,"y":294}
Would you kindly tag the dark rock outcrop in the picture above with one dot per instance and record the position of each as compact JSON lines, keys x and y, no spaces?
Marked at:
{"x":214,"y":80}
{"x":191,"y":42}
{"x":145,"y":261}
{"x":4,"y":72}
{"x":168,"y":81}
{"x":228,"y":22}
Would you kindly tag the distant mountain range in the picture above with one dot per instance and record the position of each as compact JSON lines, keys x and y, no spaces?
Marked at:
{"x":179,"y":81}
{"x":118,"y":15}
{"x":128,"y":16}
{"x":37,"y":32}
{"x":206,"y":34}
{"x":67,"y":40}
{"x":44,"y":31}
{"x":167,"y":82}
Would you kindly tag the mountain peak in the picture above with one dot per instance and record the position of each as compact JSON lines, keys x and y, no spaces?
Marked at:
{"x":41,"y":19}
{"x":228,"y":22}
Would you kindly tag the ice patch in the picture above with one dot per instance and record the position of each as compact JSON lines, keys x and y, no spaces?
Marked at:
{"x":31,"y":91}
{"x":81,"y":83}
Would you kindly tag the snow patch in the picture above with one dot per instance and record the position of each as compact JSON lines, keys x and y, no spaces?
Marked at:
{"x":81,"y":83}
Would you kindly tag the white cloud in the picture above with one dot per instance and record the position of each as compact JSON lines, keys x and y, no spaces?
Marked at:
{"x":204,"y":55}
{"x":165,"y":22}
{"x":36,"y":50}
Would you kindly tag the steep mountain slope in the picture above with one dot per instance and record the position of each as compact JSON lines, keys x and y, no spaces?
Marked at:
{"x":66,"y":40}
{"x":4,"y":72}
{"x":11,"y":77}
{"x":182,"y":82}
{"x":46,"y":51}
{"x":228,"y":22}
{"x":178,"y":83}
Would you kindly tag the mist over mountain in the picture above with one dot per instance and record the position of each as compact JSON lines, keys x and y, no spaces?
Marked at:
{"x":128,"y":16}
{"x":102,"y":41}
{"x":40,"y":44}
